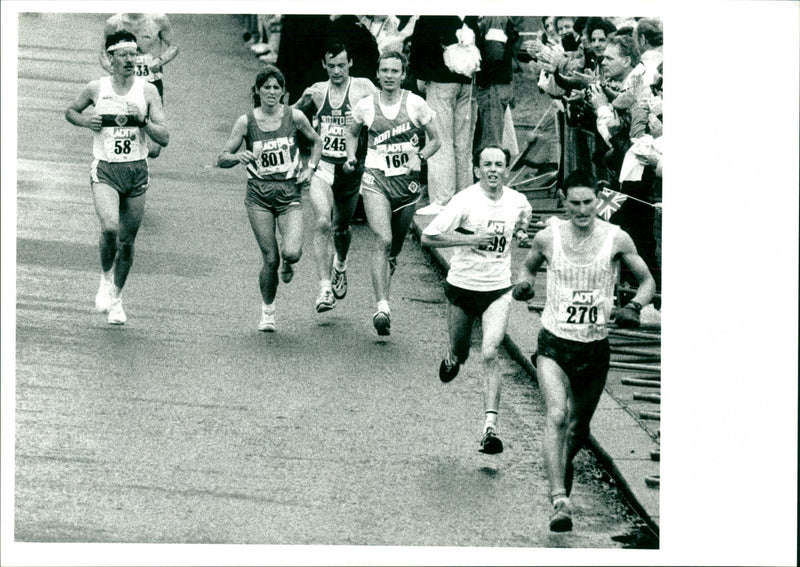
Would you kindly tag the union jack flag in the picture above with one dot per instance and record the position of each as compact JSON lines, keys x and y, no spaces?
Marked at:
{"x":609,"y":202}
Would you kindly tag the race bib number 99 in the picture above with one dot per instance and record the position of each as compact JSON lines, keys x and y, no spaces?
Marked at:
{"x":497,"y":229}
{"x":272,"y":156}
{"x":581,"y":307}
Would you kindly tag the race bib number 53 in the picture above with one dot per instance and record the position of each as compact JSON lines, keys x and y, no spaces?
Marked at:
{"x":581,"y":307}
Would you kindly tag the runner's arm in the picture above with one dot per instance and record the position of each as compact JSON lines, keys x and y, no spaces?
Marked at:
{"x":447,"y":229}
{"x":74,"y":113}
{"x":521,"y":226}
{"x":351,"y":133}
{"x":167,"y":38}
{"x":154,"y":126}
{"x":536,"y":257}
{"x":362,"y":88}
{"x":306,"y":100}
{"x":230,"y":155}
{"x":627,"y":252}
{"x":304,"y":126}
{"x":432,"y":142}
{"x":424,"y":115}
{"x":456,"y":237}
{"x":105,"y":62}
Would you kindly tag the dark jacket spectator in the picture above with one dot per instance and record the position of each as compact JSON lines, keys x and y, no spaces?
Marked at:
{"x":430,"y":34}
{"x":361,"y":46}
{"x":496,"y":56}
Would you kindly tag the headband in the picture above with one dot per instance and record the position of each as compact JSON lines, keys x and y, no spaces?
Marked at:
{"x":121,"y":44}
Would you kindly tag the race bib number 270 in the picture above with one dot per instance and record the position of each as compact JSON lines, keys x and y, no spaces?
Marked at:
{"x":581,"y":307}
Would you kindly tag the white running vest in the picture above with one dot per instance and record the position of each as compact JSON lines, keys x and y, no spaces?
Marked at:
{"x":580,"y":297}
{"x":118,"y":140}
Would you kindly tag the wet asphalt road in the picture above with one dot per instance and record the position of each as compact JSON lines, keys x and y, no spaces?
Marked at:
{"x":187,"y":425}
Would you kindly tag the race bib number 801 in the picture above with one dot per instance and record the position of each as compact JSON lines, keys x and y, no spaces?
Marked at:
{"x":272,"y":156}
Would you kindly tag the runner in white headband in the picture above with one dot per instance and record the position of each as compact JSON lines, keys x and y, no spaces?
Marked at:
{"x":122,"y":44}
{"x":120,"y":40}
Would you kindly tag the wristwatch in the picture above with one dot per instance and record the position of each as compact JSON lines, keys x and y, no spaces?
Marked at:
{"x":635,"y":305}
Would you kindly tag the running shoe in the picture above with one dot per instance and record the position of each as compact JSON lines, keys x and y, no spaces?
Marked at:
{"x":116,"y":316}
{"x":382,"y":323}
{"x":339,"y":283}
{"x":561,"y":520}
{"x":287,"y":271}
{"x":325,"y":301}
{"x":491,"y":444}
{"x":102,"y":301}
{"x":447,"y":370}
{"x":267,"y":322}
{"x":392,"y":265}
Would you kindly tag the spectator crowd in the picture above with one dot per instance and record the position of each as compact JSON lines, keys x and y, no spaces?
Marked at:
{"x":603,"y":75}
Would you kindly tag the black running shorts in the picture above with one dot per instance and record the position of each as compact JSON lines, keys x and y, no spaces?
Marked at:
{"x":473,"y":303}
{"x":581,"y":362}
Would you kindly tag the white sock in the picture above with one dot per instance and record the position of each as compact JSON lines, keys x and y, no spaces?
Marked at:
{"x":383,"y":306}
{"x":108,"y":277}
{"x":491,"y":420}
{"x":339,"y":266}
{"x":325,"y":284}
{"x":268,"y":308}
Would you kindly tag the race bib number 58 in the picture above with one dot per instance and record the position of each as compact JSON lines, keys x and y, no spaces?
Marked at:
{"x":121,"y":144}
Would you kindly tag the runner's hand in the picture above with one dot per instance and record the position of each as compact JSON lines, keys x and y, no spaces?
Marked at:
{"x":95,"y":123}
{"x":627,"y":318}
{"x":305,"y":176}
{"x":245,"y":157}
{"x":484,"y":240}
{"x":349,"y":166}
{"x":414,"y":164}
{"x":523,"y":240}
{"x":523,"y":291}
{"x":133,"y":110}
